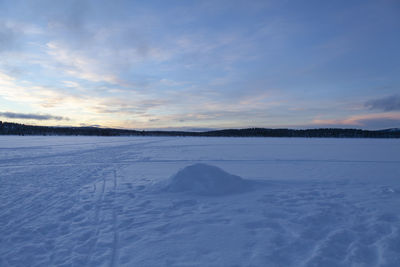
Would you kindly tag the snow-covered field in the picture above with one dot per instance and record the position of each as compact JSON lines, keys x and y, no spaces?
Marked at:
{"x":116,"y":201}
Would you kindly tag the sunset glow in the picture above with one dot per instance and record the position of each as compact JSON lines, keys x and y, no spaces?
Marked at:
{"x":200,"y":64}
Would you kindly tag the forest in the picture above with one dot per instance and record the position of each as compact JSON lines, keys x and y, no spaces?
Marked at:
{"x":9,"y":128}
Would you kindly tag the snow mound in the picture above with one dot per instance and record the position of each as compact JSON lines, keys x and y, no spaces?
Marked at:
{"x":203,"y":179}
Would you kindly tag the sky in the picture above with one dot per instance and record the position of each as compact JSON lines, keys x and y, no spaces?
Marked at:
{"x":201,"y":64}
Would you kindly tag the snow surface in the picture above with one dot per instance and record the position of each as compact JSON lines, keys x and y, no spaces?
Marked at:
{"x":204,"y":179}
{"x":95,"y":201}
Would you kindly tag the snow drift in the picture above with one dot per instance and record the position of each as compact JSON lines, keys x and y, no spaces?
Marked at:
{"x":203,"y":179}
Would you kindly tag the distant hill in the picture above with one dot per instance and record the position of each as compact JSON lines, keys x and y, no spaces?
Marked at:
{"x":9,"y":128}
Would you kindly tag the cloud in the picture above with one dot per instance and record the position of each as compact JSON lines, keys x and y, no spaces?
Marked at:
{"x":76,"y":105}
{"x":127,"y":106}
{"x":8,"y":38}
{"x":89,"y":125}
{"x":12,"y":115}
{"x":71,"y":84}
{"x":38,"y":96}
{"x":368,"y":121}
{"x":76,"y":64}
{"x":12,"y":34}
{"x":389,"y":103}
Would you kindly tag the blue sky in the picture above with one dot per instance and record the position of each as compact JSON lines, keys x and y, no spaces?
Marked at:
{"x":201,"y":64}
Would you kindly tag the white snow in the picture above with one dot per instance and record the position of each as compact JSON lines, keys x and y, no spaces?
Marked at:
{"x":204,"y":179}
{"x":92,"y":201}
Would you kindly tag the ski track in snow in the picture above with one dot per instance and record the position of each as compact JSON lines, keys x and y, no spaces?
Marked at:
{"x":95,"y":201}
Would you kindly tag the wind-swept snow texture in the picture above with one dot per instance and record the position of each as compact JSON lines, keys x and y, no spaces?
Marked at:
{"x":96,"y":201}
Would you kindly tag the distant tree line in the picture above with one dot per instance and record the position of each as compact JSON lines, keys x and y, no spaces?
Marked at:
{"x":8,"y":128}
